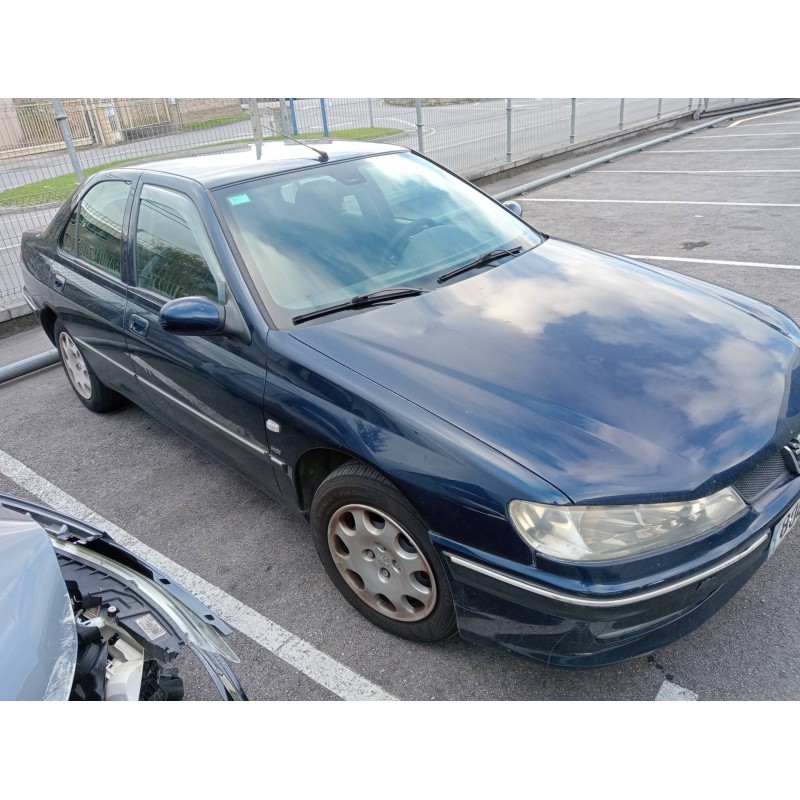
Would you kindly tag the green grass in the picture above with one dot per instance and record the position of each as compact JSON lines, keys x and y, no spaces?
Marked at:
{"x":51,"y":190}
{"x":213,"y":123}
{"x":348,"y":134}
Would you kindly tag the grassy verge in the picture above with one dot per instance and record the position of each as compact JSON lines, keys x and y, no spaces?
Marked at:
{"x":213,"y":123}
{"x":348,"y":134}
{"x":50,"y":190}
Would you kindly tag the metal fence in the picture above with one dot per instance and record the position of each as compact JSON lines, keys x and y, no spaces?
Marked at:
{"x":473,"y":137}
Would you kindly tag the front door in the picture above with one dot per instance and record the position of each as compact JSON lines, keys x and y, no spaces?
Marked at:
{"x":209,"y":388}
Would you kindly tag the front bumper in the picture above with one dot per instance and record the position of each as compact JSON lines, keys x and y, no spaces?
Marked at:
{"x":534,"y":617}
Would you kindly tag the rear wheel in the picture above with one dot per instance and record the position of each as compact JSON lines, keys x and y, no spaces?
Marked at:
{"x":376,"y":550}
{"x":91,"y":391}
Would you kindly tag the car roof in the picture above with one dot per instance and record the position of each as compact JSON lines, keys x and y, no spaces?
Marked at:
{"x":222,"y":168}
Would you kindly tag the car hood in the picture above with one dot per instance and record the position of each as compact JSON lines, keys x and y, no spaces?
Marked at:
{"x":38,"y":642}
{"x":40,"y":550}
{"x":605,"y":377}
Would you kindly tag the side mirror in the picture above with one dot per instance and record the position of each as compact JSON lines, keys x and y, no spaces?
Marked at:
{"x":514,"y":207}
{"x":192,"y":316}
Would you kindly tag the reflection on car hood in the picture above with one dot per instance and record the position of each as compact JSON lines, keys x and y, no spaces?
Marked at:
{"x":38,"y":642}
{"x":605,"y":377}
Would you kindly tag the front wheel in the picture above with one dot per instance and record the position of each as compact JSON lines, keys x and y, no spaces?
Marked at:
{"x":376,"y":550}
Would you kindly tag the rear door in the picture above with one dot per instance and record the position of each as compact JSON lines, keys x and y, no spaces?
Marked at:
{"x":87,"y":279}
{"x":209,"y":388}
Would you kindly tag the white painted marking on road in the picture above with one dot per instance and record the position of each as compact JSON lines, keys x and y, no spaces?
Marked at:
{"x":719,"y":262}
{"x":691,"y":171}
{"x":9,"y":247}
{"x":731,"y":135}
{"x":653,"y":202}
{"x":730,"y":150}
{"x":765,"y":124}
{"x":671,"y":691}
{"x":301,"y":655}
{"x":745,"y":120}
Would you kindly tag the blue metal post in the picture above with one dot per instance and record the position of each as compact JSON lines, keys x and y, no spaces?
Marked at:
{"x":324,"y":118}
{"x":294,"y":116}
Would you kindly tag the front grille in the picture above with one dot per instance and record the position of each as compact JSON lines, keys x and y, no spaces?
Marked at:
{"x":765,"y":475}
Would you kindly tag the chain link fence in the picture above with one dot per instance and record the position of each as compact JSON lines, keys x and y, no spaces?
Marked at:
{"x":471,"y":136}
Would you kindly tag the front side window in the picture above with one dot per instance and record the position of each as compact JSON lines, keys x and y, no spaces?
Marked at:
{"x":321,"y":236}
{"x":94,"y":231}
{"x":174,"y":257}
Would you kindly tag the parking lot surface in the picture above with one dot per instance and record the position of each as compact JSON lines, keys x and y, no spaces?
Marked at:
{"x":722,"y":205}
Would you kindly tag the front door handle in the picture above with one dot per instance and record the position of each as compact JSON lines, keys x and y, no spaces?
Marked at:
{"x":138,"y":325}
{"x":58,"y":281}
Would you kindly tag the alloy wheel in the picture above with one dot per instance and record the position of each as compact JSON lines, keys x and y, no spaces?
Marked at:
{"x":75,"y":366}
{"x":381,"y":563}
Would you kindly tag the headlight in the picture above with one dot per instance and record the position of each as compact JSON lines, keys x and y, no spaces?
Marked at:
{"x":598,"y":533}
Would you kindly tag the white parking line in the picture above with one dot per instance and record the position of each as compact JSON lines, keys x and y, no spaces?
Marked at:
{"x":717,"y":262}
{"x":318,"y":666}
{"x":653,"y":202}
{"x":691,"y":171}
{"x":745,"y":120}
{"x":671,"y":691}
{"x":729,"y":150}
{"x":731,"y":135}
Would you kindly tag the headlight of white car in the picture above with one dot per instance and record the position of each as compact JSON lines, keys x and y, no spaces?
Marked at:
{"x":600,"y":533}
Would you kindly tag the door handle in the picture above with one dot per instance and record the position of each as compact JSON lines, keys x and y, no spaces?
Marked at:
{"x":138,"y":325}
{"x":58,"y":281}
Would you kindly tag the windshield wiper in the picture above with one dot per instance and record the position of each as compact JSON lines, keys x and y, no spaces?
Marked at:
{"x":478,"y":262}
{"x":362,"y":300}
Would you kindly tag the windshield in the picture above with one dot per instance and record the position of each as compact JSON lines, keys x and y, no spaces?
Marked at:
{"x":318,"y":237}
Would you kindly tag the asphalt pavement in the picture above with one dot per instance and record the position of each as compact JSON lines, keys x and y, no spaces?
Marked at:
{"x":721,"y":205}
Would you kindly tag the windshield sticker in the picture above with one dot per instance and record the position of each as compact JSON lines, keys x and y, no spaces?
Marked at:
{"x":238,"y":199}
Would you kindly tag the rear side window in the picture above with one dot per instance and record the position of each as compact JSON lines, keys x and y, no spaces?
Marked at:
{"x":94,"y":231}
{"x":174,"y":257}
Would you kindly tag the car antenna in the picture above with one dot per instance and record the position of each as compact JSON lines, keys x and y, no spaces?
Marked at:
{"x":323,"y":156}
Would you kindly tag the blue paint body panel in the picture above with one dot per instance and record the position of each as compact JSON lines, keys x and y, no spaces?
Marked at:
{"x":564,"y":375}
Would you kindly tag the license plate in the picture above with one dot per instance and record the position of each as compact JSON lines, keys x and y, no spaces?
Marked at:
{"x":783,"y":527}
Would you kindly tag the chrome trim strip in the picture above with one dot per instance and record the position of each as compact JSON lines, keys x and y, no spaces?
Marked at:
{"x":26,"y":296}
{"x":614,"y":602}
{"x":107,"y":358}
{"x":260,"y":450}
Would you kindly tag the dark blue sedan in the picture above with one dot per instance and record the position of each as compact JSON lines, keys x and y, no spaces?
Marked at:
{"x":552,"y":449}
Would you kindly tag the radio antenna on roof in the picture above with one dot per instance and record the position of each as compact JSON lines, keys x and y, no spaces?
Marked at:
{"x":323,"y":156}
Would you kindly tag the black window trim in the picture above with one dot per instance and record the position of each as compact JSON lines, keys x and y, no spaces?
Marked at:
{"x":154,"y":297}
{"x":120,"y":279}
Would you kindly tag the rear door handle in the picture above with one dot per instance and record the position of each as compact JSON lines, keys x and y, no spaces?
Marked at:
{"x":138,"y":325}
{"x":58,"y":282}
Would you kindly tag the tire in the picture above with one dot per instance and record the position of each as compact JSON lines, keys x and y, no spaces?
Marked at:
{"x":376,"y":550}
{"x":91,"y":391}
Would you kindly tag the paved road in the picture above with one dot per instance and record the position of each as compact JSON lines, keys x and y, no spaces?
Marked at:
{"x":170,"y":496}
